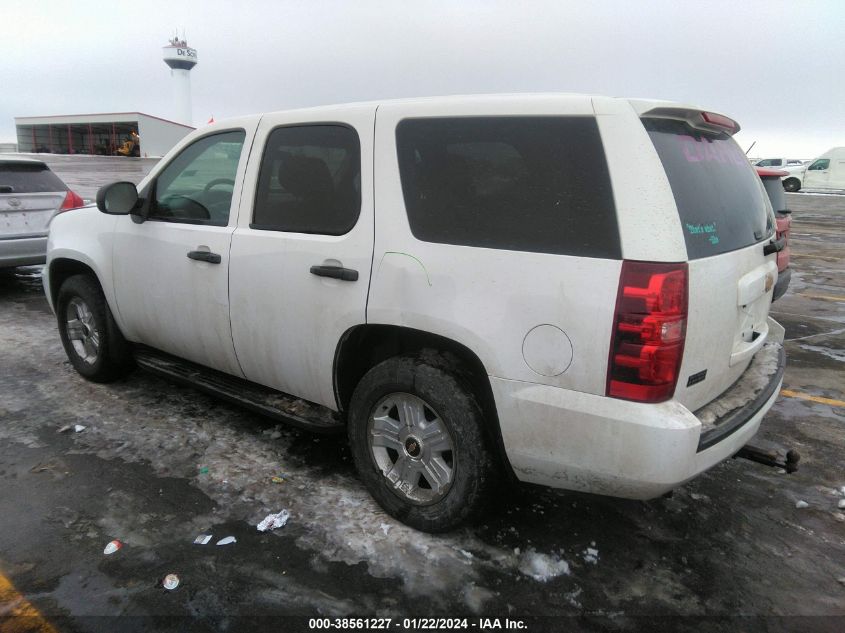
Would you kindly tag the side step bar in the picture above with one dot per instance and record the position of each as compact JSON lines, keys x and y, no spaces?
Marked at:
{"x":257,"y":398}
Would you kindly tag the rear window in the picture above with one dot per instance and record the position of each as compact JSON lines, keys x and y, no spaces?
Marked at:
{"x":28,"y":178}
{"x":719,"y":196}
{"x":537,"y":184}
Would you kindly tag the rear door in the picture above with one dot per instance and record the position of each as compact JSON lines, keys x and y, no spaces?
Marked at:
{"x":302,"y":252}
{"x":726,"y":220}
{"x":30,"y":194}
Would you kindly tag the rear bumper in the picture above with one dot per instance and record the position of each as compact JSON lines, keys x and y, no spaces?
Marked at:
{"x":782,"y":284}
{"x":23,"y":251}
{"x":578,"y":441}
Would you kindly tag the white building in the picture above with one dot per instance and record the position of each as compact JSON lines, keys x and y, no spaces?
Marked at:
{"x":98,"y":133}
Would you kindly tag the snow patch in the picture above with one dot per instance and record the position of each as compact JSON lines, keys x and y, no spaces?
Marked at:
{"x":753,"y":381}
{"x":542,"y":567}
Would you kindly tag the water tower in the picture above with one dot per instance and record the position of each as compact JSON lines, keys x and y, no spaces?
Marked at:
{"x":181,"y":58}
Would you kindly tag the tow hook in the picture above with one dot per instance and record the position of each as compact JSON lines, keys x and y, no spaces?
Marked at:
{"x":770,"y":454}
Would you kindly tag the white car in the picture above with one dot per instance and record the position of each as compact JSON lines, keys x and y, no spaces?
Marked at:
{"x":825,"y":173}
{"x":571,"y":289}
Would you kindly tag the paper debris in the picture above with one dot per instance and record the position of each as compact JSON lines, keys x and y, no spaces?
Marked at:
{"x":170,"y":582}
{"x":202,"y":539}
{"x":802,"y":504}
{"x":273,"y":521}
{"x":112,"y":547}
{"x":227,"y":540}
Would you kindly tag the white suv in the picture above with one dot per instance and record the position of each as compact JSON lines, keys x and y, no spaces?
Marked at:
{"x":571,"y":289}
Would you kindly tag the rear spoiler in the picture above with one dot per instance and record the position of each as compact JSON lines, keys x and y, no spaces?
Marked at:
{"x":698,"y":119}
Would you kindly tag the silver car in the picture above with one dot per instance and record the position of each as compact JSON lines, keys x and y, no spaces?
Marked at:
{"x":30,"y":195}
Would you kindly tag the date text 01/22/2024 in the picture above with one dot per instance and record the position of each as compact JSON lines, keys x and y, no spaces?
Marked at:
{"x":415,"y":624}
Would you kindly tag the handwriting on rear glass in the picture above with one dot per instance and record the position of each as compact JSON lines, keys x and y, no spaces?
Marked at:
{"x":698,"y":150}
{"x":704,"y":229}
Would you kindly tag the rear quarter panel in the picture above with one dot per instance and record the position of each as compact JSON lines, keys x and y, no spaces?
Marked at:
{"x":488,"y":299}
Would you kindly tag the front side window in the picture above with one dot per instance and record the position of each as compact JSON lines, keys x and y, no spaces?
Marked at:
{"x":310,"y":180}
{"x":196,"y":187}
{"x":820,"y":165}
{"x":536,"y":184}
{"x":770,"y":162}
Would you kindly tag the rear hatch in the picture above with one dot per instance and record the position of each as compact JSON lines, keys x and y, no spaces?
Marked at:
{"x":726,"y":220}
{"x":30,"y":194}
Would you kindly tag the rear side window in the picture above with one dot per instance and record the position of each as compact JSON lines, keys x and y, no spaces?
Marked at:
{"x":310,"y":180}
{"x":28,"y":178}
{"x":721,"y":202}
{"x":537,"y":184}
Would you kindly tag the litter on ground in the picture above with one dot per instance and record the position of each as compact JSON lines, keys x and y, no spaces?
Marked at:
{"x":841,"y":503}
{"x":385,"y":527}
{"x":273,"y":521}
{"x":170,"y":582}
{"x":77,"y":428}
{"x":112,"y":547}
{"x":802,"y":504}
{"x":591,"y":555}
{"x":227,"y":540}
{"x":202,"y":539}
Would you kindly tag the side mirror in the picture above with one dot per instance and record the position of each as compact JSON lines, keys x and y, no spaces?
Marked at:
{"x":118,"y":198}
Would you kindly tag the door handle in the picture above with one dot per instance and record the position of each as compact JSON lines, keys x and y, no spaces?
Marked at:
{"x":204,"y":256}
{"x":335,"y":272}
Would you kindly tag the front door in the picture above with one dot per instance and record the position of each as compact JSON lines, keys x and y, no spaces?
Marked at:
{"x":171,"y":271}
{"x":302,"y":252}
{"x":817,"y":174}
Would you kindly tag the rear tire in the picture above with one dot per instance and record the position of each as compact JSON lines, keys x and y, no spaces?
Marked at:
{"x":792,"y":185}
{"x":416,"y":432}
{"x":90,"y":336}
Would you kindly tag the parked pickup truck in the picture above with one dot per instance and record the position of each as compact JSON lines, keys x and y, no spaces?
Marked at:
{"x":573,"y":290}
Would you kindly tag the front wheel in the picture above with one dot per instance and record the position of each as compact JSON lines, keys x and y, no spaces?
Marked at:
{"x":417,"y":439}
{"x":89,"y":334}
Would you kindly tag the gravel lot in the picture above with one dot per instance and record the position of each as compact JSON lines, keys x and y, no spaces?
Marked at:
{"x":158,"y":464}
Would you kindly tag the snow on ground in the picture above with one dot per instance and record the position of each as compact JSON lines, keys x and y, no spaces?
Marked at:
{"x":542,"y":567}
{"x":181,"y":433}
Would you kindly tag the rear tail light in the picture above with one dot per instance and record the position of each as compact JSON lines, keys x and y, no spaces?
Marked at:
{"x":649,"y":328}
{"x":72,"y":201}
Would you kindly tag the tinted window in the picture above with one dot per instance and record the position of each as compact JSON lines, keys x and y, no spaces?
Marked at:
{"x":770,"y":162}
{"x":28,"y":178}
{"x":719,"y":195}
{"x":536,"y":184}
{"x":197,"y":185}
{"x":821,"y":164}
{"x":310,"y":180}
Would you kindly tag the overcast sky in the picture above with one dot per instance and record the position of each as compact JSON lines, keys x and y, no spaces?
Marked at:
{"x":778,"y":66}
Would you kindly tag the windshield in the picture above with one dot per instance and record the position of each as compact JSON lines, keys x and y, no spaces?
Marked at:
{"x":721,"y":201}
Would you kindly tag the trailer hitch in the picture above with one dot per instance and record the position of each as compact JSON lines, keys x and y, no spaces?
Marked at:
{"x":770,"y":454}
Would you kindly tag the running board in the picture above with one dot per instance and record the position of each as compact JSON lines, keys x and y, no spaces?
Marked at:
{"x":257,"y":398}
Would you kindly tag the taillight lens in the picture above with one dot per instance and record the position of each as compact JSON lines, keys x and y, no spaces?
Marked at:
{"x":72,"y":201}
{"x":649,"y":328}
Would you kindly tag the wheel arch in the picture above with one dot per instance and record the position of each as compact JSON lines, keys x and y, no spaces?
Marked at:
{"x":61,"y":269}
{"x":795,"y":179}
{"x":364,"y":346}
